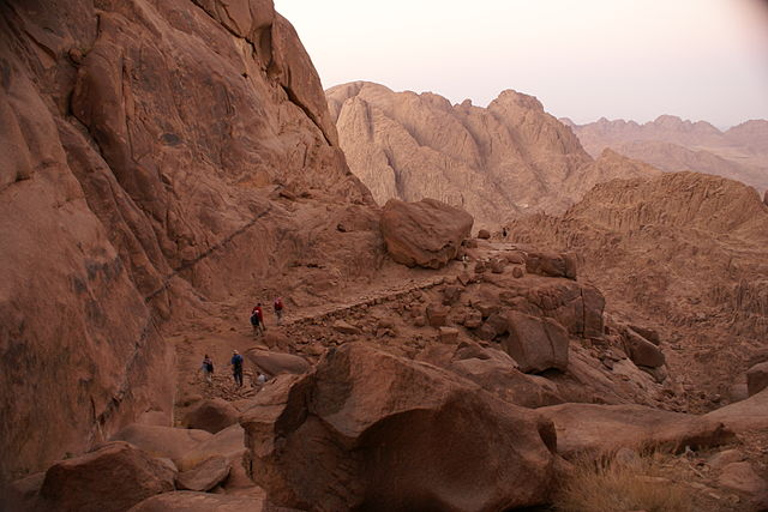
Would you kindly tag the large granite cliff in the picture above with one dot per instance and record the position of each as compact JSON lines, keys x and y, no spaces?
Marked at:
{"x":155,"y":153}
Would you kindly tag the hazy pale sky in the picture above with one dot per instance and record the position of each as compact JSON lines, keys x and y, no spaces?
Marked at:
{"x":630,"y":59}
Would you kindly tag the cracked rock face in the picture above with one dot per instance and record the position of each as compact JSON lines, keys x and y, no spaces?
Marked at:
{"x":142,"y":146}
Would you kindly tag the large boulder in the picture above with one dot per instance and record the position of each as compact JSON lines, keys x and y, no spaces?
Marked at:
{"x":757,"y":378}
{"x":641,"y":351}
{"x":427,"y":233}
{"x":593,"y":428}
{"x":173,"y":443}
{"x":206,"y":475}
{"x":371,"y":431}
{"x":211,"y":415}
{"x":276,"y":363}
{"x":744,"y":416}
{"x":112,"y":478}
{"x":537,"y":344}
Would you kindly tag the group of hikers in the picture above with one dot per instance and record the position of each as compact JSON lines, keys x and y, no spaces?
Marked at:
{"x":257,"y":322}
{"x":257,"y":316}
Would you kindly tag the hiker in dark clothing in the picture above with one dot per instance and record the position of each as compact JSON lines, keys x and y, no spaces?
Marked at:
{"x":237,"y":368}
{"x":278,"y":305}
{"x":207,"y":368}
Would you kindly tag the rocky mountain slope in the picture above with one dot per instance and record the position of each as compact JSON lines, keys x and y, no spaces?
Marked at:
{"x":684,"y":251}
{"x":507,"y":158}
{"x":155,"y":155}
{"x":671,"y":144}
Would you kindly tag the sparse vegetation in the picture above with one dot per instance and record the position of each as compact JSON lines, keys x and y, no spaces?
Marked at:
{"x":612,"y":484}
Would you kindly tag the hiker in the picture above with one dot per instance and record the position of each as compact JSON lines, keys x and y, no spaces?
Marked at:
{"x":237,"y":368}
{"x":207,"y":368}
{"x":257,"y":320}
{"x":278,"y":305}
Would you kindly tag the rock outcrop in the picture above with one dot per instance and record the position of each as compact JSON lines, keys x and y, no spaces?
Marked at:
{"x":369,"y":430}
{"x":152,"y":153}
{"x":426,"y":233}
{"x":113,"y":478}
{"x":494,"y":162}
{"x":686,"y":250}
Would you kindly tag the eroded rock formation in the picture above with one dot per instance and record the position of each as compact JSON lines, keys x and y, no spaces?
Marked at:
{"x":152,"y":153}
{"x":509,"y":157}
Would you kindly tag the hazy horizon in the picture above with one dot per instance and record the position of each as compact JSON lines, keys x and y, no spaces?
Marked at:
{"x":700,"y":60}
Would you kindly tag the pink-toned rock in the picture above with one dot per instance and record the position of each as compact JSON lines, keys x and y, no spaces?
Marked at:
{"x":747,"y":415}
{"x":641,"y":351}
{"x":437,"y":314}
{"x":206,"y":475}
{"x":741,"y":476}
{"x":448,"y":334}
{"x":757,"y":378}
{"x":426,"y":233}
{"x":537,"y":344}
{"x":112,"y":478}
{"x":211,"y":415}
{"x":595,"y":428}
{"x":276,"y":363}
{"x":189,"y":501}
{"x":173,"y":443}
{"x":369,"y":429}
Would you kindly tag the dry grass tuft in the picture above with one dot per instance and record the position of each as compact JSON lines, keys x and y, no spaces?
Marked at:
{"x":613,"y":484}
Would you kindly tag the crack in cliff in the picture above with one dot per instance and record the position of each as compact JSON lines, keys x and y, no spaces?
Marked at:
{"x":205,"y":254}
{"x":307,"y":111}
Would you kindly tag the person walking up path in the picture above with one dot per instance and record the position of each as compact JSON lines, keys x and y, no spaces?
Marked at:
{"x":207,"y":368}
{"x":278,"y":306}
{"x":237,"y":368}
{"x":257,"y":319}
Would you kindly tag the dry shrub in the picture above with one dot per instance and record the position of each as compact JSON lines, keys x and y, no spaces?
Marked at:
{"x":613,"y":484}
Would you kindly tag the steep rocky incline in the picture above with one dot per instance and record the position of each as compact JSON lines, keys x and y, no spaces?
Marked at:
{"x":509,"y":157}
{"x":685,"y":253}
{"x":153,"y":155}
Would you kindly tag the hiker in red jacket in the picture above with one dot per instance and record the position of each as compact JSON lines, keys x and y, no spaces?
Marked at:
{"x":257,"y":319}
{"x":278,"y":305}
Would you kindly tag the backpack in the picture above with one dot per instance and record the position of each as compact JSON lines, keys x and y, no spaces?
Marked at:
{"x":255,"y":319}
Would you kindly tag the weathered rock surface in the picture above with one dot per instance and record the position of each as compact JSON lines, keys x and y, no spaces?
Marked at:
{"x":427,"y":233}
{"x":173,"y":443}
{"x":757,"y":378}
{"x":112,"y":478}
{"x":384,"y":433}
{"x":276,"y":363}
{"x":672,"y":144}
{"x":212,"y":415}
{"x":494,"y":162}
{"x":144,"y":146}
{"x":188,"y":501}
{"x":600,"y":428}
{"x":206,"y":475}
{"x":688,"y":251}
{"x":749,"y":414}
{"x":229,"y":443}
{"x":537,"y":344}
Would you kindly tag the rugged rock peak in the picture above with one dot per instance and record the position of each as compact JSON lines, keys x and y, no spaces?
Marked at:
{"x":152,"y":155}
{"x":672,"y":144}
{"x":493,"y":162}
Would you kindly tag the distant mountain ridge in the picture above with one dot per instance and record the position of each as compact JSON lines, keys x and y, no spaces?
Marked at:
{"x":507,"y":158}
{"x":673,"y":144}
